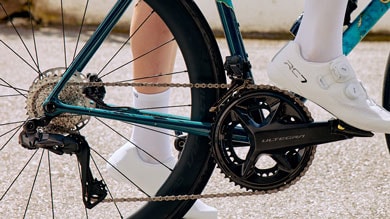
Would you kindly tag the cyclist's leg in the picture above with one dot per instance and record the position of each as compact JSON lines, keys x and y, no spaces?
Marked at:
{"x":147,"y":69}
{"x":313,"y":66}
{"x":317,"y":42}
{"x":146,"y":169}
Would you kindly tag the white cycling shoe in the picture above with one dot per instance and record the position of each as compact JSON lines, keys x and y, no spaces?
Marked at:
{"x":332,"y":85}
{"x":151,"y":177}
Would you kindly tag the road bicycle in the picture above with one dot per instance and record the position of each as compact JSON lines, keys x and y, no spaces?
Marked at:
{"x":220,"y":117}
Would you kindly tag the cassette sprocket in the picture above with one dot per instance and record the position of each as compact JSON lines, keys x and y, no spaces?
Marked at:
{"x":71,"y":94}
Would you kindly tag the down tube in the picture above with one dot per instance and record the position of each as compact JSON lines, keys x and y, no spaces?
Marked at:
{"x":363,"y":24}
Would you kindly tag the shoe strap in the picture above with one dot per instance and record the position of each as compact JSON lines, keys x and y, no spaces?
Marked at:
{"x":341,"y":70}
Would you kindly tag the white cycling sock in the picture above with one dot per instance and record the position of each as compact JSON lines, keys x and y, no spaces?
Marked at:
{"x":151,"y":139}
{"x":320,"y":33}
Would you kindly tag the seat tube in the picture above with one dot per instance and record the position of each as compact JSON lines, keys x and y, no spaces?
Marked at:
{"x":231,"y":30}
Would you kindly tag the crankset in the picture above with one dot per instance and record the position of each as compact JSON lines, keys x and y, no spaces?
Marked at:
{"x":265,"y":139}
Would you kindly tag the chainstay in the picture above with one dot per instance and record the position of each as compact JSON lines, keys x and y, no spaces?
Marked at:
{"x":245,"y":85}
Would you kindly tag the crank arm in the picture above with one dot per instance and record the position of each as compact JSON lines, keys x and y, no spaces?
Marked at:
{"x":281,"y":136}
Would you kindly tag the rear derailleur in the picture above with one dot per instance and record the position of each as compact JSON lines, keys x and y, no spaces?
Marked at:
{"x":94,"y":191}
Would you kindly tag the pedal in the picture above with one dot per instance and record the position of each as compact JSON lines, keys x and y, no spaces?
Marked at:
{"x":343,"y":128}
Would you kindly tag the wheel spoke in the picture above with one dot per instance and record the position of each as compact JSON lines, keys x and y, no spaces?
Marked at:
{"x":139,"y":148}
{"x":80,"y":175}
{"x":101,"y":176}
{"x":33,"y":183}
{"x":18,"y":90}
{"x":11,"y":95}
{"x":112,"y":58}
{"x":16,"y":129}
{"x":50,"y":184}
{"x":17,"y":176}
{"x":29,"y":3}
{"x":10,"y":123}
{"x":63,"y":33}
{"x":136,"y":58}
{"x":20,"y":57}
{"x":123,"y":45}
{"x":22,"y":41}
{"x":81,"y":29}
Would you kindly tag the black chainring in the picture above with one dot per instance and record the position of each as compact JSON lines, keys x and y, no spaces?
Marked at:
{"x":269,"y":171}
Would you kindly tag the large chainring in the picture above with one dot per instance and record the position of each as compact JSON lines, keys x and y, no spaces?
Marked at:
{"x":269,"y":171}
{"x":71,"y":94}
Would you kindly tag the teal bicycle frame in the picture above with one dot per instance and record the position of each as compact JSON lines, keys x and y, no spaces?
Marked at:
{"x":352,"y":36}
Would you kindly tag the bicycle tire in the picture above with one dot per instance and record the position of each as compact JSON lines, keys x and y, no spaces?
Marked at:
{"x":204,"y":65}
{"x":386,"y":94}
{"x":196,"y":164}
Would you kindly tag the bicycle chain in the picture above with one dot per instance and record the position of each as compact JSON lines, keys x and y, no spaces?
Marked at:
{"x":246,"y":85}
{"x":186,"y":197}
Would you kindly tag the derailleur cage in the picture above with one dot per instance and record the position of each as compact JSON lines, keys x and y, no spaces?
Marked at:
{"x":237,"y":67}
{"x":94,"y":191}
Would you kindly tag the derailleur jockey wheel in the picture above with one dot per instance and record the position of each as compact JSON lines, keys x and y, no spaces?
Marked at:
{"x":236,"y":155}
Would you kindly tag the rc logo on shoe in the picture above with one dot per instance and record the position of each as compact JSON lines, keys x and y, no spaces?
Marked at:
{"x":296,"y":72}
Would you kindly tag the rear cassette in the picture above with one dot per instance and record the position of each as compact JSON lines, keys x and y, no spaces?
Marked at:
{"x":267,"y":171}
{"x":71,"y":94}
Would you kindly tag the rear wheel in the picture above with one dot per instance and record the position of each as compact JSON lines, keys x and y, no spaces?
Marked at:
{"x":36,"y":49}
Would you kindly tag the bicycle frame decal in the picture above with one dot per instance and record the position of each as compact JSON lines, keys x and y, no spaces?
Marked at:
{"x":363,"y":24}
